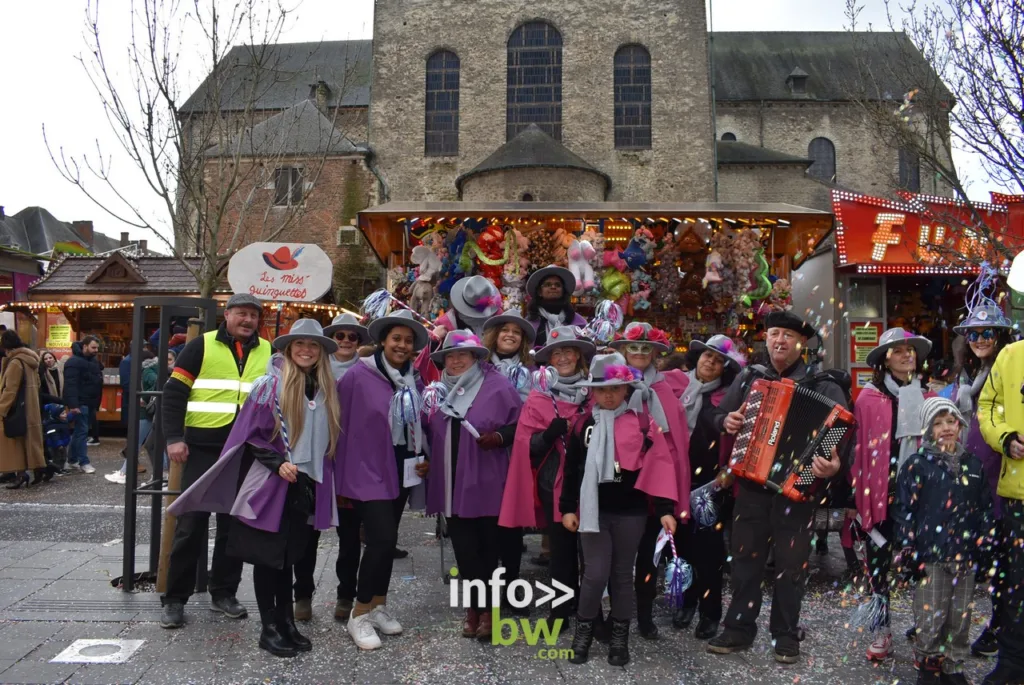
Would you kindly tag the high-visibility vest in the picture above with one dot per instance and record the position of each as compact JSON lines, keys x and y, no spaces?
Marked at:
{"x":219,"y":390}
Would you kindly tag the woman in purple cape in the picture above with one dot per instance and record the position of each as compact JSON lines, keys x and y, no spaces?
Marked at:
{"x":281,"y":450}
{"x":381,"y":433}
{"x":472,"y":413}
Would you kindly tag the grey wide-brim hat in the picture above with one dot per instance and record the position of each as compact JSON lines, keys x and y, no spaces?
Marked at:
{"x":529,"y":332}
{"x":402,"y":317}
{"x":460,"y":341}
{"x":538,"y":276}
{"x":986,"y":316}
{"x":468,"y":294}
{"x":564,"y":336}
{"x":619,"y":343}
{"x":898,"y":336}
{"x":720,"y":344}
{"x":608,"y":370}
{"x":306,"y":329}
{"x":348,"y":322}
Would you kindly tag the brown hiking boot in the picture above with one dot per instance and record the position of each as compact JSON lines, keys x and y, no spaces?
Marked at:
{"x":303,"y":609}
{"x":342,"y":609}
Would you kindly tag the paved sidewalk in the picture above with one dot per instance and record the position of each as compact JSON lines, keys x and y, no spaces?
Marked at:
{"x":52,"y":593}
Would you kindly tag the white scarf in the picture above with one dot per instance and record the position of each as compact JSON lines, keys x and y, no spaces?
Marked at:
{"x":909,"y":399}
{"x":600,"y":465}
{"x":462,"y":390}
{"x":645,"y":394}
{"x":693,"y":398}
{"x":406,"y":404}
{"x":565,"y":389}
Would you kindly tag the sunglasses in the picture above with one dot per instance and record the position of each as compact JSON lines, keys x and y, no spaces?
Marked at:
{"x":639,"y":348}
{"x":975,"y":336}
{"x":342,"y":335}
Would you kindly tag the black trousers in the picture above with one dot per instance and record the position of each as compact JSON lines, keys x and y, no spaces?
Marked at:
{"x":346,"y":567}
{"x":273,"y":593}
{"x":510,"y":551}
{"x":565,"y":562}
{"x":190,"y":539}
{"x":1011,"y":628}
{"x":476,"y":544}
{"x":380,"y":520}
{"x":762,"y":520}
{"x":704,"y":549}
{"x":645,"y":579}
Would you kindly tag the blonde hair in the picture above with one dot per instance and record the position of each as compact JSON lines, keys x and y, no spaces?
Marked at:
{"x":491,"y":343}
{"x":293,"y":398}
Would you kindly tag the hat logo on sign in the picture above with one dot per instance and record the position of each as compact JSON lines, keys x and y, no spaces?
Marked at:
{"x":282,"y":259}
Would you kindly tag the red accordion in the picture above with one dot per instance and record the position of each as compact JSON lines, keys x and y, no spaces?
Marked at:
{"x":785,"y":426}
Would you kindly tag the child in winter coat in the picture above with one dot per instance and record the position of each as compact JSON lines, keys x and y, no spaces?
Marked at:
{"x":942,"y":516}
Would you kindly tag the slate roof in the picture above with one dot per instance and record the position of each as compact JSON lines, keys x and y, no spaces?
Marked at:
{"x":733,"y":152}
{"x":753,"y":65}
{"x":284,"y":74}
{"x":299,"y":130}
{"x":35,"y":230}
{"x":532,"y":148}
{"x":162,"y":275}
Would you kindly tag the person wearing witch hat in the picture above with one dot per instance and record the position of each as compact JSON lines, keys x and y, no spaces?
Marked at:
{"x":275,"y":476}
{"x":658,"y":394}
{"x":348,"y":335}
{"x":717,"y":364}
{"x":470,"y":427}
{"x":617,"y":467}
{"x":888,"y":431}
{"x":535,"y":472}
{"x":474,"y":300}
{"x":550,"y":292}
{"x":761,"y":517}
{"x":381,"y":431}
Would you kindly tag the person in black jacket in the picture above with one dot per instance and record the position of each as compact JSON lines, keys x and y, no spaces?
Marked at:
{"x":943,"y":522}
{"x":762,"y":518}
{"x":83,"y":389}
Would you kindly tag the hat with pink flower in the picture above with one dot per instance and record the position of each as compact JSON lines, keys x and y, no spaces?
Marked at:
{"x":607,"y":370}
{"x":644,"y":333}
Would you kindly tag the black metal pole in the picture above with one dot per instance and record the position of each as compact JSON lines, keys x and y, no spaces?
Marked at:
{"x":131,"y":451}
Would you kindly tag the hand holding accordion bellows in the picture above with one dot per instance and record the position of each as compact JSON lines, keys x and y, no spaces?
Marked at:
{"x":826,"y":468}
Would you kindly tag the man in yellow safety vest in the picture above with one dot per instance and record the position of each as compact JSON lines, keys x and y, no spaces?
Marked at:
{"x":211,"y":379}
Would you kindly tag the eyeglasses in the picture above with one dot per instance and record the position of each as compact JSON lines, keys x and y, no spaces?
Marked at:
{"x":639,"y":348}
{"x":987,"y":334}
{"x":342,"y":335}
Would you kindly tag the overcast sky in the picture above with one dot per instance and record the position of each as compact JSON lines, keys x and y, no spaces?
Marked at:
{"x":45,"y":84}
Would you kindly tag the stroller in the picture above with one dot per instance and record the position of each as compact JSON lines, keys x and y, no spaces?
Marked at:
{"x":57,"y":437}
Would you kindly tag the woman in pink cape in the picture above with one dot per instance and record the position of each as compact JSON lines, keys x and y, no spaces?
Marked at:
{"x":657,"y":394}
{"x":535,"y":472}
{"x":888,"y":414}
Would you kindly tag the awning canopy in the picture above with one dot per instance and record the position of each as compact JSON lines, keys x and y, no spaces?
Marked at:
{"x":385,"y":226}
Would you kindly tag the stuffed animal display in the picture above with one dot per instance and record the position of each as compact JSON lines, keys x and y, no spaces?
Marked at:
{"x":580,"y":253}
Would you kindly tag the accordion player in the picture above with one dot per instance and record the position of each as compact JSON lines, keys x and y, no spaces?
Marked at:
{"x":785,"y":426}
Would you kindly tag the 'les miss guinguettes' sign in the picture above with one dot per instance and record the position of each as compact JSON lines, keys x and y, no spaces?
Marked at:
{"x":288,"y":272}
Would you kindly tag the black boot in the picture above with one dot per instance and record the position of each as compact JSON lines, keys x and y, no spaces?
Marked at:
{"x":1004,"y":674}
{"x":602,"y":628}
{"x":986,"y":644}
{"x":683,"y":617}
{"x":274,"y":642}
{"x":289,"y":630}
{"x":618,"y":650}
{"x":645,"y":618}
{"x":582,"y":638}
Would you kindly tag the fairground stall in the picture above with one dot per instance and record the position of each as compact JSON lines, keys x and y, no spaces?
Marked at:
{"x":691,"y":269}
{"x":907,"y":262}
{"x":82,"y":295}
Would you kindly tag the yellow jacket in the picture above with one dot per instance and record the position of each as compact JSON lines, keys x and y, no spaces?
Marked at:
{"x":1001,"y":413}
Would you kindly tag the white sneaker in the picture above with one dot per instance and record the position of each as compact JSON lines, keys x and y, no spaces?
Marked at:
{"x":88,"y":468}
{"x":116,"y":477}
{"x":384,"y":621}
{"x":362,"y":632}
{"x":92,"y":442}
{"x":881,"y":648}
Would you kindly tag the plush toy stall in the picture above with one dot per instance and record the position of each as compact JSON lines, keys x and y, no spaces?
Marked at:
{"x":690,"y":269}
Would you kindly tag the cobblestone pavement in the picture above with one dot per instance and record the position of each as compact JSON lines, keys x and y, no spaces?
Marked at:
{"x":61,"y":547}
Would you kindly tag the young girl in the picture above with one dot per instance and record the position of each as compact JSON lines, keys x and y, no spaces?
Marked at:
{"x":282,"y":445}
{"x":616,"y":460}
{"x":888,"y":427}
{"x":941,"y":513}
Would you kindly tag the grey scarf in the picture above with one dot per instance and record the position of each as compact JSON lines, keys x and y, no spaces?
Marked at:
{"x":462,"y":390}
{"x":514,"y":370}
{"x":553,"y":320}
{"x":565,"y":389}
{"x":338,"y":368}
{"x":405,"y":402}
{"x":908,"y":426}
{"x":645,"y":394}
{"x":968,"y":392}
{"x":308,"y":452}
{"x":693,"y":398}
{"x":600,"y":465}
